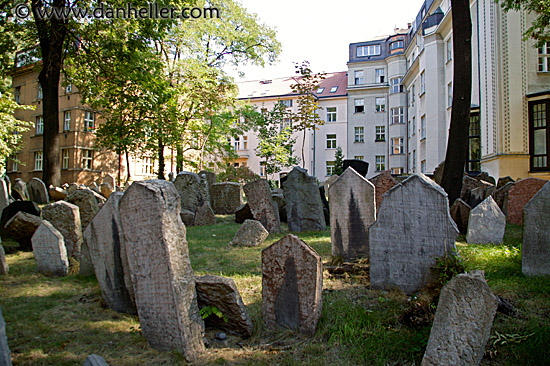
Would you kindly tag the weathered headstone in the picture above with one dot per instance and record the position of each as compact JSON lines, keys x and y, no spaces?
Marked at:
{"x":13,"y":208}
{"x":243,"y":213}
{"x":106,"y":189}
{"x":87,"y":203}
{"x":65,"y":217}
{"x":477,"y":195}
{"x":279,"y":199}
{"x":187,"y":217}
{"x":304,"y":208}
{"x":21,"y":228}
{"x":360,"y":166}
{"x":382,"y":183}
{"x":501,"y":197}
{"x":108,"y":179}
{"x":158,"y":258}
{"x":468,"y":185}
{"x":19,"y":190}
{"x":94,"y":187}
{"x":352,"y":211}
{"x":107,"y":248}
{"x":72,"y":188}
{"x":37,"y":191}
{"x":4,"y":268}
{"x":49,"y":250}
{"x":4,"y":195}
{"x":251,"y":234}
{"x":486,"y":223}
{"x":5,"y":354}
{"x":329,"y":182}
{"x":57,"y":194}
{"x":462,"y":323}
{"x":460,"y":212}
{"x":204,"y":215}
{"x":484,"y":176}
{"x":192,"y":189}
{"x":413,"y":228}
{"x":86,"y":267}
{"x":503,"y":181}
{"x":518,"y":196}
{"x":536,"y":234}
{"x":210,"y":179}
{"x":292,"y":285}
{"x":226,"y":197}
{"x":262,"y":206}
{"x":222,"y":293}
{"x":95,"y":360}
{"x":438,"y":172}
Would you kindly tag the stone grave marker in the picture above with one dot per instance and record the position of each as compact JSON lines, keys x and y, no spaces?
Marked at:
{"x":520,"y":193}
{"x":486,"y":223}
{"x":204,"y":215}
{"x":262,"y":206}
{"x":536,"y":234}
{"x":19,"y":190}
{"x":65,"y":217}
{"x":243,"y":213}
{"x":37,"y":191}
{"x":109,"y":179}
{"x":501,"y":197}
{"x":226,"y":197}
{"x":13,"y":208}
{"x":49,"y":250}
{"x":192,"y":189}
{"x":4,"y":195}
{"x":4,"y":268}
{"x":292,"y":285}
{"x":360,"y":166}
{"x":95,"y":360}
{"x":251,"y":234}
{"x":5,"y":354}
{"x":106,"y":189}
{"x":279,"y":199}
{"x":22,"y":227}
{"x":87,"y":204}
{"x":57,"y":194}
{"x":382,"y":183}
{"x":503,"y":181}
{"x":460,"y":212}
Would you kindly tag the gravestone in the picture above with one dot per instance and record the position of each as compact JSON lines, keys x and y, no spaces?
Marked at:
{"x":5,"y":354}
{"x":204,"y":215}
{"x":94,"y":187}
{"x":243,"y":213}
{"x":108,"y":179}
{"x":86,"y":267}
{"x":226,"y":197}
{"x":261,"y":205}
{"x":438,"y":172}
{"x":65,"y":217}
{"x":352,"y":211}
{"x":279,"y":199}
{"x":21,"y":228}
{"x":95,"y":360}
{"x":49,"y":250}
{"x":462,"y":323}
{"x":292,"y":285}
{"x":251,"y":234}
{"x":106,"y":189}
{"x":484,"y":176}
{"x":326,"y":209}
{"x":107,"y":248}
{"x":187,"y":217}
{"x":210,"y":179}
{"x":460,"y":212}
{"x":4,"y":195}
{"x":19,"y":190}
{"x":13,"y":208}
{"x":536,"y":234}
{"x":520,"y":193}
{"x":158,"y":258}
{"x":37,"y":191}
{"x":503,"y":181}
{"x":469,"y":184}
{"x":360,"y":166}
{"x":8,"y":185}
{"x":57,"y":194}
{"x":477,"y":195}
{"x":413,"y":228}
{"x":501,"y":197}
{"x":304,"y":208}
{"x":72,"y":188}
{"x":222,"y":293}
{"x":192,"y":189}
{"x":486,"y":223}
{"x":87,"y":204}
{"x":4,"y":268}
{"x":329,"y":182}
{"x":382,"y":183}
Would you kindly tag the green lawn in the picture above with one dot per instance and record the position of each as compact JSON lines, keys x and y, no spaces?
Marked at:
{"x":59,"y":321}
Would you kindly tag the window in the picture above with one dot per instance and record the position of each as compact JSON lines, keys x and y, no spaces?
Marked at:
{"x":331,"y":166}
{"x":14,"y":163}
{"x":262,"y":169}
{"x":40,"y":94}
{"x":373,"y":50}
{"x":359,"y":134}
{"x":449,"y":49}
{"x":287,"y":123}
{"x":333,"y":89}
{"x":450,"y":95}
{"x":414,"y":162}
{"x":331,"y":114}
{"x":359,"y":105}
{"x":89,"y":120}
{"x":474,"y":144}
{"x":66,"y":120}
{"x":423,"y":127}
{"x":320,"y":90}
{"x":544,"y":57}
{"x":380,"y":104}
{"x":39,"y":125}
{"x":287,"y":102}
{"x":396,"y":45}
{"x":380,"y":163}
{"x":359,"y":77}
{"x":395,"y":86}
{"x":38,"y":160}
{"x":423,"y":166}
{"x":359,"y":157}
{"x":397,"y":115}
{"x":245,"y":142}
{"x":414,"y":126}
{"x":422,"y":83}
{"x":87,"y":159}
{"x":379,"y":75}
{"x":17,"y":94}
{"x":331,"y":141}
{"x":64,"y":158}
{"x":69,"y":89}
{"x":148,"y":167}
{"x":397,"y":146}
{"x":236,"y":143}
{"x":396,"y":171}
{"x":539,"y":134}
{"x":380,"y":133}
{"x":413,"y":95}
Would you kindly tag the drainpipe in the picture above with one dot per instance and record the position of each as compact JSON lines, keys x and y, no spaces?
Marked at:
{"x":313,"y":168}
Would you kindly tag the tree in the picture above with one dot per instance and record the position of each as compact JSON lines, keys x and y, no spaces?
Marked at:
{"x":540,"y":29}
{"x":338,"y":161}
{"x":457,"y":144}
{"x":11,"y":129}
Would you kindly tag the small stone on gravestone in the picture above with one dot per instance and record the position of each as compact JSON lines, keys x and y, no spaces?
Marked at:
{"x":518,"y":196}
{"x":462,"y":323}
{"x":460,"y":212}
{"x":65,"y":217}
{"x":57,"y":194}
{"x":503,"y":181}
{"x":251,"y":234}
{"x":304,"y":208}
{"x":5,"y":354}
{"x":536,"y":234}
{"x":382,"y":183}
{"x":226,"y":197}
{"x":38,"y":191}
{"x":292,"y":285}
{"x":87,"y":203}
{"x":95,"y":360}
{"x":158,"y":255}
{"x":4,"y":268}
{"x":360,"y":166}
{"x":262,"y":206}
{"x":486,"y":223}
{"x":501,"y":197}
{"x":49,"y":250}
{"x":222,"y":293}
{"x":19,"y":190}
{"x":204,"y":215}
{"x":22,"y":227}
{"x":243,"y":213}
{"x":352,"y":212}
{"x":413,"y":228}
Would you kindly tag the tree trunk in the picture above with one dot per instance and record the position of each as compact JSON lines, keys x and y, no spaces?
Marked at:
{"x":127,"y":164}
{"x":303,"y":147}
{"x":160,"y":173}
{"x":179,"y":157}
{"x":457,"y":145}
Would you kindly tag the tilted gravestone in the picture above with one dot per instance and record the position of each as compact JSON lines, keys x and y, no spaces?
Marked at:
{"x":107,"y":248}
{"x":520,"y":193}
{"x":262,"y":206}
{"x":501,"y":197}
{"x":352,"y":211}
{"x":412,"y":229}
{"x":13,"y":208}
{"x":210,"y":179}
{"x":292,"y":285}
{"x":486,"y":223}
{"x":49,"y":250}
{"x":279,"y":199}
{"x":4,"y":195}
{"x":536,"y":234}
{"x":21,"y":228}
{"x":460,"y":212}
{"x":4,"y":268}
{"x":87,"y":204}
{"x":382,"y":183}
{"x":65,"y":217}
{"x":222,"y":293}
{"x":192,"y":189}
{"x":19,"y":190}
{"x":204,"y":215}
{"x":57,"y":194}
{"x":462,"y":323}
{"x":109,"y":180}
{"x":503,"y":181}
{"x":5,"y":354}
{"x":360,"y":166}
{"x":37,"y":191}
{"x":251,"y":234}
{"x":106,"y":189}
{"x":158,"y":258}
{"x":226,"y":197}
{"x":304,"y":208}
{"x":469,"y":184}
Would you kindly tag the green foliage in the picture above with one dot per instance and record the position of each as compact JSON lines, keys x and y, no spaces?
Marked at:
{"x":540,"y":28}
{"x":208,"y":310}
{"x":447,"y":267}
{"x":338,"y":161}
{"x":241,"y":174}
{"x":11,"y":129}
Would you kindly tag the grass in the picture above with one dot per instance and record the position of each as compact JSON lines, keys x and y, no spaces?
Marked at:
{"x":59,"y":321}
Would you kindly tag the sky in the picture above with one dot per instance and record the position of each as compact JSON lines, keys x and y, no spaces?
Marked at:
{"x":321,"y":31}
